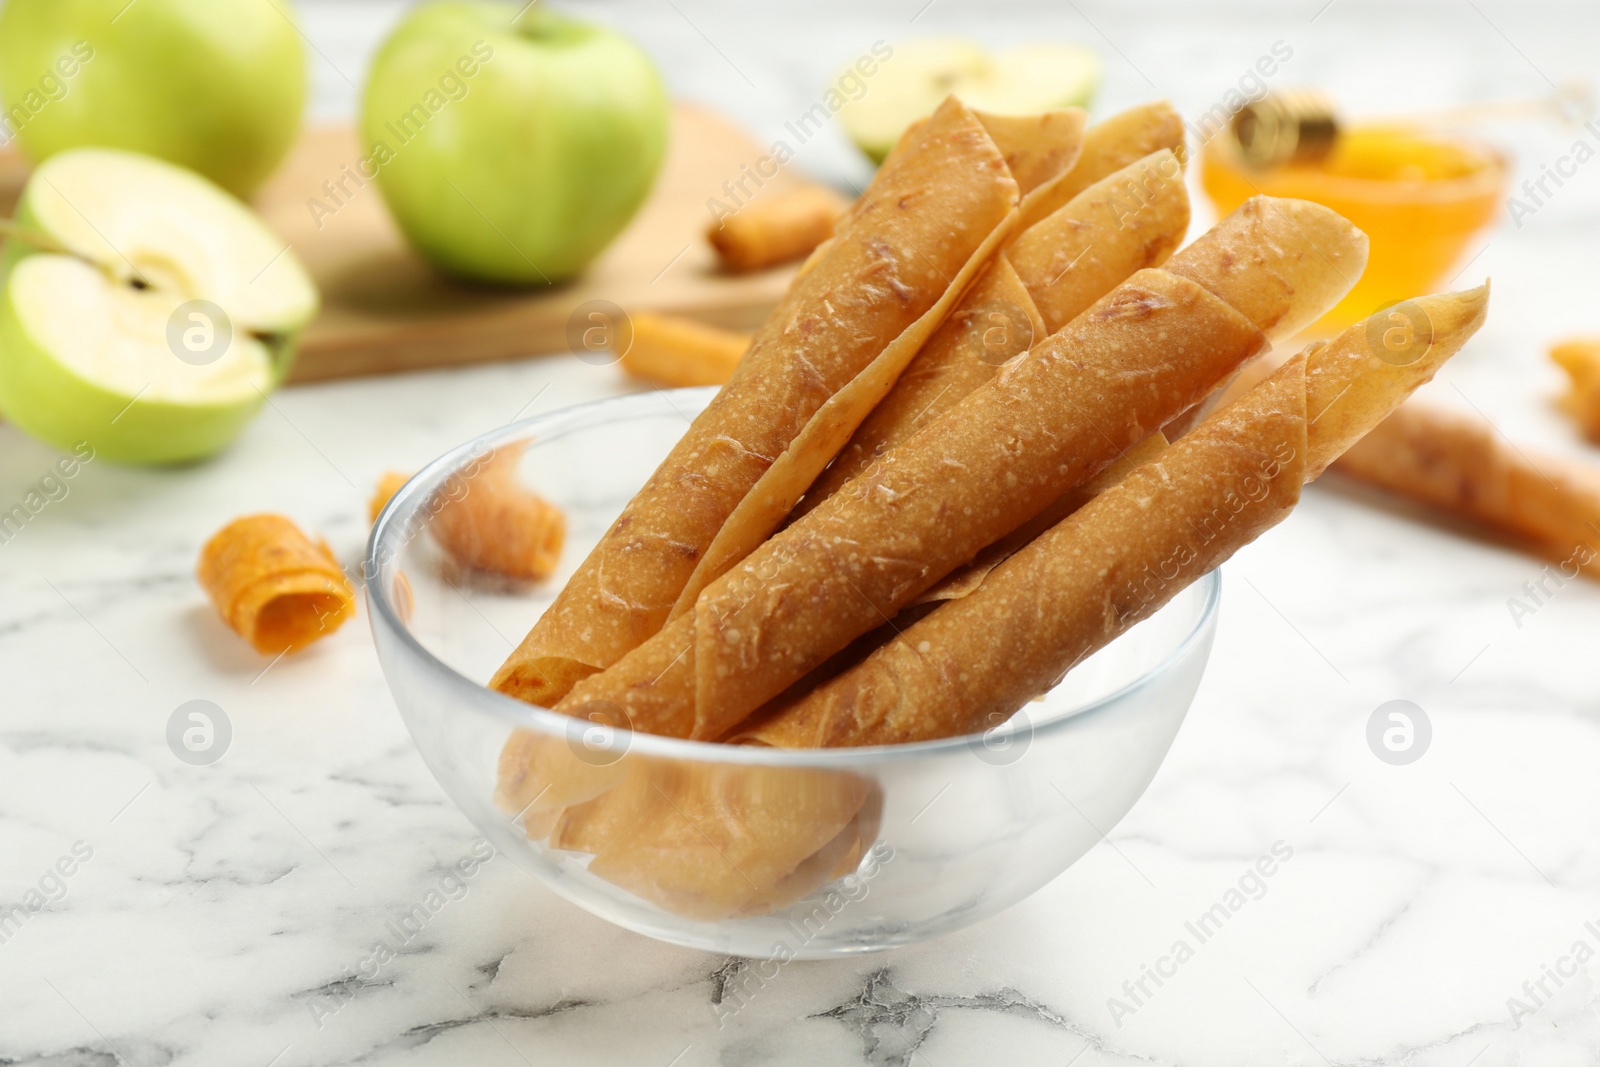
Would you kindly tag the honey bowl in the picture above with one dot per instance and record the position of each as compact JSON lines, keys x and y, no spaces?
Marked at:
{"x":1420,"y":196}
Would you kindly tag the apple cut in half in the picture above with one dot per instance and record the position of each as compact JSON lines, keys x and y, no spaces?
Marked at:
{"x":145,"y":311}
{"x":916,"y":78}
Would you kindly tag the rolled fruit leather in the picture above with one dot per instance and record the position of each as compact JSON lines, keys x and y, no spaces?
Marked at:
{"x":897,"y":263}
{"x":1152,"y":348}
{"x":1123,"y":206}
{"x":1000,"y":317}
{"x":972,"y":662}
{"x":1063,"y":264}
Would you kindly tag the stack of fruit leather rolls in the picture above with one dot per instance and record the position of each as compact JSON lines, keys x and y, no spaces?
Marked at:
{"x":1045,"y":277}
{"x":1050,"y":421}
{"x":975,"y":659}
{"x":944,"y":200}
{"x":1152,"y":348}
{"x":1123,"y":207}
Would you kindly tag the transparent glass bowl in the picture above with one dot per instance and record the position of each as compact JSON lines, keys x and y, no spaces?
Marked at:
{"x":941,"y":835}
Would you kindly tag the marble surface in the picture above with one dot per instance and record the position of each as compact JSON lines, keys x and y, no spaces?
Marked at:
{"x":216,"y":914}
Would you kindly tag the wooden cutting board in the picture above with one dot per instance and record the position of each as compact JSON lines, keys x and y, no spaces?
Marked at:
{"x":385,"y":310}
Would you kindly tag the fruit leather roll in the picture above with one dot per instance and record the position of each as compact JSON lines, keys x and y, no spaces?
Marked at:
{"x":896,"y":265}
{"x":1108,"y":146}
{"x":1122,"y":206}
{"x":498,"y":524}
{"x":711,"y":841}
{"x":995,"y":321}
{"x":1150,"y":349}
{"x":783,"y":226}
{"x":273,"y":585}
{"x":1099,"y":221}
{"x":1131,"y":219}
{"x":1460,"y":464}
{"x":972,"y":662}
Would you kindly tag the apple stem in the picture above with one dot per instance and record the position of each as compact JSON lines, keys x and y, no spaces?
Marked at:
{"x":10,"y":231}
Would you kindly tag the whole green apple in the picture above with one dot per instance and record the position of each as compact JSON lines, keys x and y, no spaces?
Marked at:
{"x":511,"y":148}
{"x":217,"y":86}
{"x":144,"y":312}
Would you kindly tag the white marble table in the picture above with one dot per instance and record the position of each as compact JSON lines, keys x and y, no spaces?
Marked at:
{"x":214,"y":914}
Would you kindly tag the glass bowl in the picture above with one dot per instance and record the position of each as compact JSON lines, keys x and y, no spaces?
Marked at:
{"x":935,"y":836}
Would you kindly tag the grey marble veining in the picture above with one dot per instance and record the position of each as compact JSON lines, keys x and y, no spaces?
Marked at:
{"x":226,"y":914}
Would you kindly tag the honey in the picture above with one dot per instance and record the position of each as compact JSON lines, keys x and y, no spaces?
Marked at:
{"x":1420,"y":197}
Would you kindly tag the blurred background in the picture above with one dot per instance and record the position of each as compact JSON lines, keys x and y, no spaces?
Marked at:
{"x":765,"y":64}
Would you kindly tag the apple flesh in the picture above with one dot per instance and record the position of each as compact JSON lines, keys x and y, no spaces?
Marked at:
{"x":217,"y":86}
{"x":912,"y":82}
{"x":142,"y":309}
{"x":511,"y":148}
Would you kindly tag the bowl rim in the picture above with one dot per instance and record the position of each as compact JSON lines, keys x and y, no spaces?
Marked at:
{"x":421,"y":486}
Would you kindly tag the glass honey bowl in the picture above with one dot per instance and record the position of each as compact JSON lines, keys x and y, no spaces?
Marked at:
{"x":1419,"y":195}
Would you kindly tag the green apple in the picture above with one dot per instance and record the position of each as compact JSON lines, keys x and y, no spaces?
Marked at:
{"x":916,"y":78}
{"x":217,"y":86}
{"x":511,"y":148}
{"x":142,"y":309}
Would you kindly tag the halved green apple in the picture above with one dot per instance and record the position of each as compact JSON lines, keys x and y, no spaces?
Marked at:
{"x":144,"y":310}
{"x":916,"y":78}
